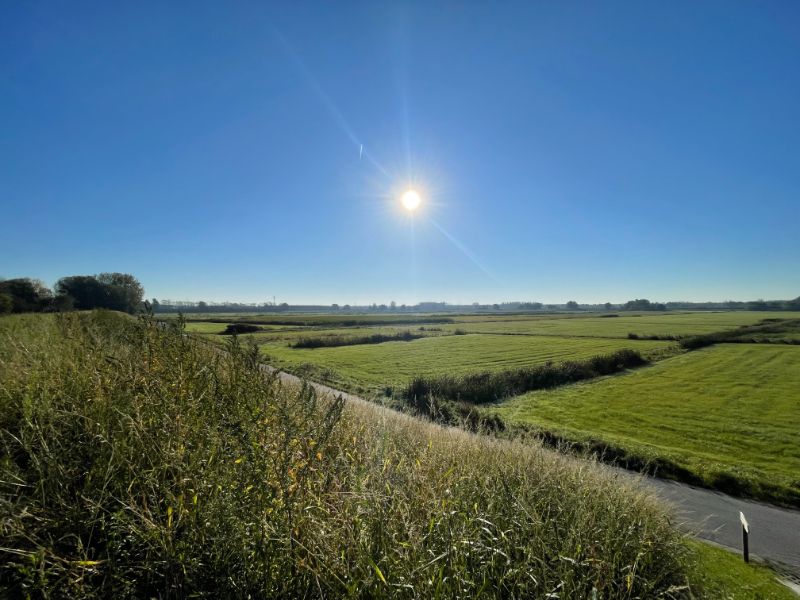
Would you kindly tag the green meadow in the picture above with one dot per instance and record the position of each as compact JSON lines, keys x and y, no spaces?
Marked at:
{"x":375,"y":366}
{"x":729,"y":413}
{"x":679,"y":324}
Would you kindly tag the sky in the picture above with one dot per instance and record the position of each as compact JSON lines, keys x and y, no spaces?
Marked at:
{"x":589,"y":151}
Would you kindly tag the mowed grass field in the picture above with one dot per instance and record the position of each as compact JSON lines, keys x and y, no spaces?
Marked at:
{"x":667,"y":324}
{"x":727,"y":411}
{"x":375,"y":366}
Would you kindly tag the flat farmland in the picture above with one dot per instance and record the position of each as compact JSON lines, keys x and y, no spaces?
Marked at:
{"x":574,"y":325}
{"x":375,"y":366}
{"x":728,"y":412}
{"x":648,"y":324}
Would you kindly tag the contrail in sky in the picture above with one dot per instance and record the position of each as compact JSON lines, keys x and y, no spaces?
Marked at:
{"x":326,"y":100}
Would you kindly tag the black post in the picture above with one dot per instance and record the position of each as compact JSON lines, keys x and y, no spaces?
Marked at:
{"x":745,"y":547}
{"x":745,"y":535}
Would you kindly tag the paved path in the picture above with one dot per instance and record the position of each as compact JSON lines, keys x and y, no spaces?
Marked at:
{"x":713,"y":516}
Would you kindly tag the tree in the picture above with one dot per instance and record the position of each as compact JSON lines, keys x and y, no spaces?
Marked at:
{"x":572,"y":305}
{"x":43,"y":293}
{"x":86,"y":292}
{"x":115,"y":291}
{"x":62,"y":303}
{"x":643,"y":304}
{"x":124,"y":291}
{"x":6,"y":303}
{"x":27,"y":295}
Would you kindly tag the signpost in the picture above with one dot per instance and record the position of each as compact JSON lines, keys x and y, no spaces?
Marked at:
{"x":745,"y":534}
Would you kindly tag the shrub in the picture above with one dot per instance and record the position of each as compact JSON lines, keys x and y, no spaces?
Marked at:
{"x":479,"y":388}
{"x":333,"y":341}
{"x":238,"y":328}
{"x":6,"y":303}
{"x":748,"y":334}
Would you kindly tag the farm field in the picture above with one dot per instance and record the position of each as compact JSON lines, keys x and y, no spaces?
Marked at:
{"x":495,"y":342}
{"x":729,"y":413}
{"x":375,"y":366}
{"x":678,"y":324}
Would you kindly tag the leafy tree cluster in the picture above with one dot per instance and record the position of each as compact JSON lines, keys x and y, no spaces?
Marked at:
{"x":24,"y":295}
{"x":774,"y":304}
{"x":115,"y":291}
{"x":643,"y":304}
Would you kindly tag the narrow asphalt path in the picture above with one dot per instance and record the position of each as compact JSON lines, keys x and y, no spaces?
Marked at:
{"x":706,"y":514}
{"x":714,"y":516}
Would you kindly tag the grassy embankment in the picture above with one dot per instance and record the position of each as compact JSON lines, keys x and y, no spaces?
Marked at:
{"x":135,"y":462}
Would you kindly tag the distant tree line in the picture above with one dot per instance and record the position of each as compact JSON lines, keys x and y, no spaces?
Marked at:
{"x":639,"y":304}
{"x":115,"y":291}
{"x":643,"y":304}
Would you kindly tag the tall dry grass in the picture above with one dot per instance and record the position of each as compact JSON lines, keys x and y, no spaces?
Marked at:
{"x":136,"y":463}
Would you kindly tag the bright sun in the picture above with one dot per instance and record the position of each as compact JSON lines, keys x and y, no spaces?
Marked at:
{"x":411,"y":200}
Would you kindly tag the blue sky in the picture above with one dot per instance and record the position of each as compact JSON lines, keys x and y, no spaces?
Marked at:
{"x":564,"y":150}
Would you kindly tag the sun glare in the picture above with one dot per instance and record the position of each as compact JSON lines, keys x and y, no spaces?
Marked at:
{"x":411,"y":200}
